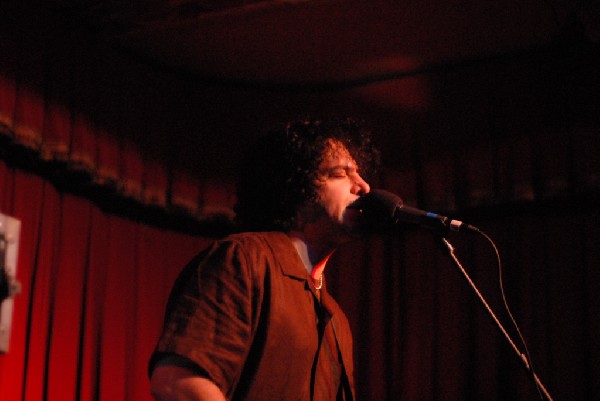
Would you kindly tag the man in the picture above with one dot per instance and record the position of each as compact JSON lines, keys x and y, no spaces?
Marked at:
{"x":250,"y":318}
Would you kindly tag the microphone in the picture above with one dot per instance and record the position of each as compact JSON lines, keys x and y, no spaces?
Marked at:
{"x":381,"y":210}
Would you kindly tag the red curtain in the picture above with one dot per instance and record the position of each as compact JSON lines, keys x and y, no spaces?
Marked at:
{"x":421,"y":334}
{"x":101,"y":121}
{"x":93,"y":290}
{"x":94,"y":287}
{"x":512,"y":144}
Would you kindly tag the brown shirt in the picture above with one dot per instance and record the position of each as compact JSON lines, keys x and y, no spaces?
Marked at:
{"x":246,"y":315}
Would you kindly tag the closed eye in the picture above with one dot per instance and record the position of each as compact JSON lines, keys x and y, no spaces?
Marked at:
{"x":338,"y":172}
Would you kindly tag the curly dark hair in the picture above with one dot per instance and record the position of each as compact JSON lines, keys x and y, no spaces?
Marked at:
{"x":279,"y":172}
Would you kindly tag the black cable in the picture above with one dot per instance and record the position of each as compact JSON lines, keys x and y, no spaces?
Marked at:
{"x":509,"y":312}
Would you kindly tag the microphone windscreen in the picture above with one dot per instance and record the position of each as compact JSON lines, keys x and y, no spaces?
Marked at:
{"x":378,"y":209}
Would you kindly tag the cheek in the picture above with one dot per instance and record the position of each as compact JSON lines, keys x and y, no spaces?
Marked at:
{"x":332,"y":199}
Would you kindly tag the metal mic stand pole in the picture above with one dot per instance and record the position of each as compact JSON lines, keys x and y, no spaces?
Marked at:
{"x":521,"y":356}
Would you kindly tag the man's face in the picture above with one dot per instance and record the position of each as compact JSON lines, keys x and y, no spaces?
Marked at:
{"x":338,"y":185}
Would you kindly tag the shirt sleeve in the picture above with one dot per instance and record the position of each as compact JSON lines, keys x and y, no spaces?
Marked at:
{"x":210,"y":315}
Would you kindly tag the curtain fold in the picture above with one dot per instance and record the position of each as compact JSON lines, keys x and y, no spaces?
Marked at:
{"x":421,"y":334}
{"x":97,"y":123}
{"x":94,"y":287}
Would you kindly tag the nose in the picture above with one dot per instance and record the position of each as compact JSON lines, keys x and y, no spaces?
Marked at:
{"x":360,"y":187}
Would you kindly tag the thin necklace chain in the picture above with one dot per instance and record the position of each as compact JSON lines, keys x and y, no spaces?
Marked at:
{"x":318,"y":286}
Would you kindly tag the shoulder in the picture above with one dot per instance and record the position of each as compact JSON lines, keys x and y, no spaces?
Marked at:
{"x":247,"y":248}
{"x":254,"y":244}
{"x":256,"y":237}
{"x":264,"y":251}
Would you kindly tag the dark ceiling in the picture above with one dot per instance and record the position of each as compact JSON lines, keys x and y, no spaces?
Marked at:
{"x":325,"y":42}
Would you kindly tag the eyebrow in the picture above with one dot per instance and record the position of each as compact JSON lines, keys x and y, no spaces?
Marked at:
{"x":350,"y":167}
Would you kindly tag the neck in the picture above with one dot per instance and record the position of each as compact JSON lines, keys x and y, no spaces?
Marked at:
{"x":313,"y":256}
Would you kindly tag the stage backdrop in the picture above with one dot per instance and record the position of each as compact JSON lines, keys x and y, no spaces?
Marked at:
{"x":94,"y":286}
{"x":121,"y":172}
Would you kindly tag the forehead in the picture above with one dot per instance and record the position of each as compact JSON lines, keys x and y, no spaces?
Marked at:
{"x":335,"y":152}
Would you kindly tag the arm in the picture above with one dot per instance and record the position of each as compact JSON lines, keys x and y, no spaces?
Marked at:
{"x":173,"y":383}
{"x":212,"y":295}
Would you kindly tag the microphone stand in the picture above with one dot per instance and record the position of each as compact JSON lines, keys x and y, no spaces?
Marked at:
{"x":450,"y":249}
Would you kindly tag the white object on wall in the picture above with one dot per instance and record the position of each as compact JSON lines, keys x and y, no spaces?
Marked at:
{"x":10,"y":230}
